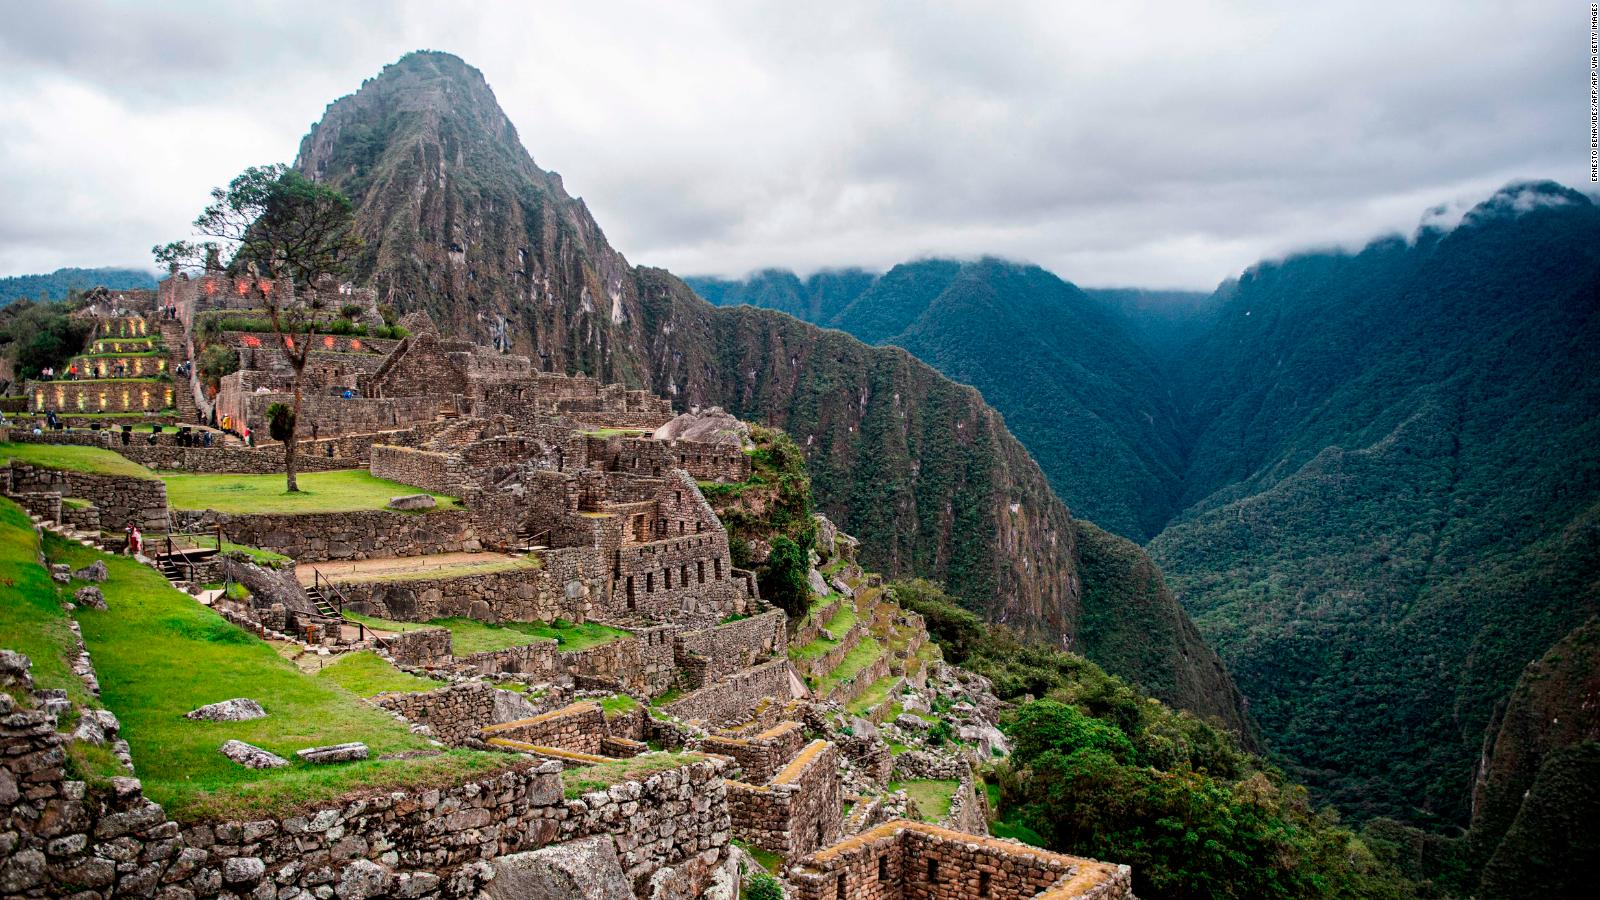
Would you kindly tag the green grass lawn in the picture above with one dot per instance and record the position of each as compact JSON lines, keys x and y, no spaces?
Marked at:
{"x":366,"y":674}
{"x":768,"y":860}
{"x":345,"y":490}
{"x":932,"y":797}
{"x":618,"y":705}
{"x":616,"y":432}
{"x":471,"y":636}
{"x":859,"y":657}
{"x":92,"y":460}
{"x":201,"y":542}
{"x":159,"y":654}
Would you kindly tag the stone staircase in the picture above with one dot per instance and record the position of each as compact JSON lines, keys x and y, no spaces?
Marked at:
{"x":183,"y":396}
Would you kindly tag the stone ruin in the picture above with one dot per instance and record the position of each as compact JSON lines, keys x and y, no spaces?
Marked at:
{"x":596,"y":489}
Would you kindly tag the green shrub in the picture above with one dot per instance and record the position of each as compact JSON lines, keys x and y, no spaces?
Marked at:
{"x":762,"y":886}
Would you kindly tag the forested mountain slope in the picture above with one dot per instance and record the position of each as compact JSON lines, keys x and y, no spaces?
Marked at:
{"x":1397,"y":490}
{"x":460,"y":222}
{"x":56,"y":285}
{"x":1066,"y":371}
{"x":1373,"y":477}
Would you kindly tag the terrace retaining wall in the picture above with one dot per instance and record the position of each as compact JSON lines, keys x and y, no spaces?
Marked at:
{"x":314,"y":537}
{"x":121,"y":499}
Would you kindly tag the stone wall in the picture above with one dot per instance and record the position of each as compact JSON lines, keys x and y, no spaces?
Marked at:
{"x":426,"y":648}
{"x":728,"y":647}
{"x":799,"y":811}
{"x":455,"y":715}
{"x":538,"y":659}
{"x":734,"y":698}
{"x":643,"y":456}
{"x":105,"y":395}
{"x":442,"y":473}
{"x":262,"y":461}
{"x":121,"y":499}
{"x":901,"y":859}
{"x":759,"y":757}
{"x":364,"y":534}
{"x":514,"y":595}
{"x":578,"y":728}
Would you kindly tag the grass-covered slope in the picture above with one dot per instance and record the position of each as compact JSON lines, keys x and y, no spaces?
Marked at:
{"x":158,"y":654}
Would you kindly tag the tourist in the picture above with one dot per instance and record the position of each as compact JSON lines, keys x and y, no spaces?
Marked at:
{"x":208,"y":439}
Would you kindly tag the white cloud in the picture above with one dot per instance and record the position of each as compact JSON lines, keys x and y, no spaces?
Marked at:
{"x":1160,"y":145}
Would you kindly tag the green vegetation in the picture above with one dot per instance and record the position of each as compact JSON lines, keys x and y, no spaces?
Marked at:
{"x":62,"y":283}
{"x":91,"y":460}
{"x":36,"y":335}
{"x":771,"y":862}
{"x":472,"y":636}
{"x":1100,"y":769}
{"x":618,"y":705}
{"x":31,"y":618}
{"x":761,"y":885}
{"x":337,"y":491}
{"x":839,"y":624}
{"x":875,"y":694}
{"x":217,"y":361}
{"x":329,"y":325}
{"x":583,"y":779}
{"x":860,"y":656}
{"x":148,"y":625}
{"x":366,"y":674}
{"x":931,"y":796}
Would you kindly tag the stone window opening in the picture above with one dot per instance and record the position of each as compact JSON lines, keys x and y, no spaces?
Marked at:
{"x":677,"y":496}
{"x":699,"y":527}
{"x":716,"y":566}
{"x":883,"y":868}
{"x":680,"y":527}
{"x":649,"y":582}
{"x":666,"y":579}
{"x":683,"y":575}
{"x":983,"y":884}
{"x":700,"y":570}
{"x":933,"y":870}
{"x":842,"y":886}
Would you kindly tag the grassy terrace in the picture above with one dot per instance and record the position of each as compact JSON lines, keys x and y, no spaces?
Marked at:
{"x":862,"y":655}
{"x":932,"y":797}
{"x":366,"y":674}
{"x":158,"y":655}
{"x":346,"y":490}
{"x":875,"y":694}
{"x":201,"y":542}
{"x":471,"y":636}
{"x":840,"y":623}
{"x":583,"y":779}
{"x":92,"y":460}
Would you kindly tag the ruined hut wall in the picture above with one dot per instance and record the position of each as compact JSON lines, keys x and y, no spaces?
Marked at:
{"x":426,"y":648}
{"x":798,"y":812}
{"x":726,"y":648}
{"x":734,"y":698}
{"x":455,"y":714}
{"x":703,"y":461}
{"x":441,"y":473}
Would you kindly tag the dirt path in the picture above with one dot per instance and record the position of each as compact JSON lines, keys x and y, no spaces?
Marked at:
{"x":399,"y":565}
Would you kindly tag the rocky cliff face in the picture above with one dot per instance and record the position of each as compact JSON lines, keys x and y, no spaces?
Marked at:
{"x":460,"y":222}
{"x":1554,"y":708}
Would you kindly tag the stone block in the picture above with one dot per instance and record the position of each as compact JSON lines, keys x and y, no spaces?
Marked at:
{"x":333,"y":753}
{"x":239,"y":709}
{"x":252,"y":757}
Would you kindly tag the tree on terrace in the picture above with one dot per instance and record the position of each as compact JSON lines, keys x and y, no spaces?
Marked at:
{"x":276,"y":221}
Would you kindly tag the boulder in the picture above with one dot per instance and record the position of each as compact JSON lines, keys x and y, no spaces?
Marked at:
{"x":90,"y":598}
{"x":251,"y":756}
{"x":61,"y":572}
{"x":239,"y":709}
{"x":912,"y":723}
{"x":587,"y":868}
{"x":818,"y":585}
{"x":413,"y":502}
{"x":333,"y":753}
{"x":987,"y":738}
{"x":713,"y":426}
{"x":96,"y":572}
{"x":842,"y":587}
{"x":363,"y":879}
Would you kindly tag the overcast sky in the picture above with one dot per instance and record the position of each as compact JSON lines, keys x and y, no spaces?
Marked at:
{"x":1159,"y":145}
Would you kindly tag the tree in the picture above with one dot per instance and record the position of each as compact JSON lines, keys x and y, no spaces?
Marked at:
{"x":277,"y":221}
{"x":783,"y":577}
